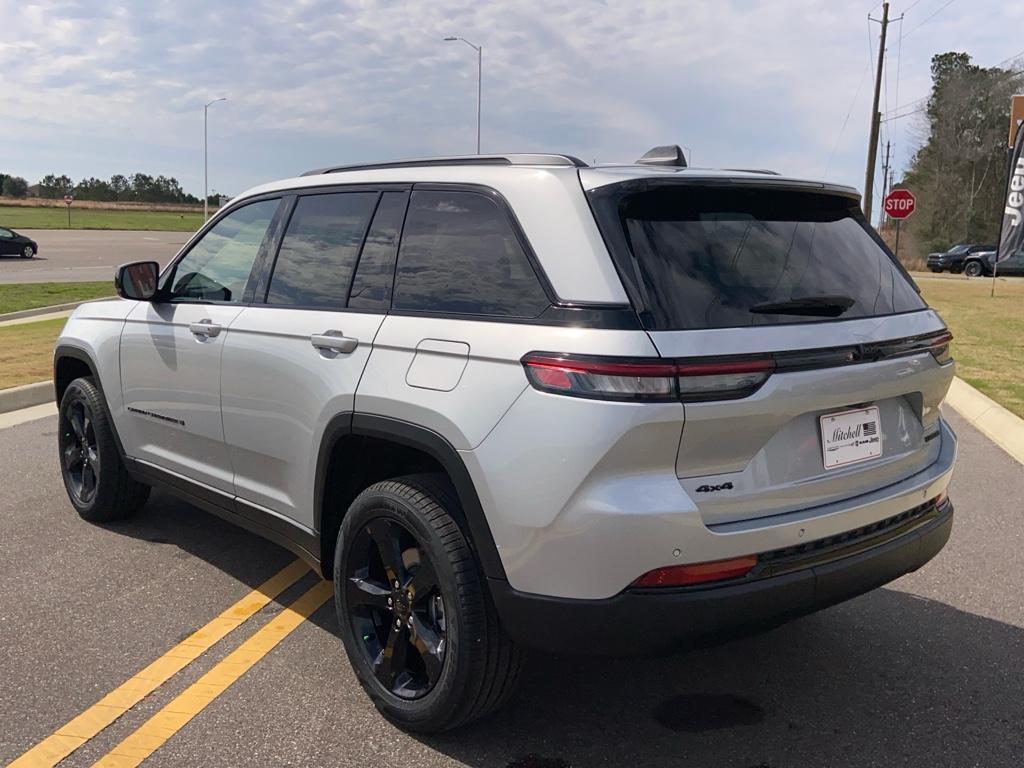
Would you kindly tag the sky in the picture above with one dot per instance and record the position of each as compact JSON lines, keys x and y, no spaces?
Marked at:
{"x":98,"y":88}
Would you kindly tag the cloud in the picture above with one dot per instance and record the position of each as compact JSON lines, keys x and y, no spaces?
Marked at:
{"x":94,"y":88}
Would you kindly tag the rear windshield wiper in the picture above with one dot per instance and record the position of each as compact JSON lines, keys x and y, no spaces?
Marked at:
{"x":812,"y":306}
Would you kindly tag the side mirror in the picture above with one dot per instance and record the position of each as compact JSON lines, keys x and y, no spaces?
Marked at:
{"x":137,"y":281}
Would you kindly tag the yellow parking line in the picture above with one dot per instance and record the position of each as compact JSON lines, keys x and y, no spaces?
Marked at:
{"x":153,"y":733}
{"x":85,"y":726}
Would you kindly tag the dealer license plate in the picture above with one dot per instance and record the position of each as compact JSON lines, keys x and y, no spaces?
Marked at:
{"x":849,"y":437}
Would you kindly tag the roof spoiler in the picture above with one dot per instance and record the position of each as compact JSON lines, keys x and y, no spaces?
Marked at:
{"x":670,"y":155}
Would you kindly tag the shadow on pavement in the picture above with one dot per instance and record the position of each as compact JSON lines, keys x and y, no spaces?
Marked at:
{"x":888,"y":679}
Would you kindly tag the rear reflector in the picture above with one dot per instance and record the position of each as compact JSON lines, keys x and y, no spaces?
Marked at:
{"x":697,"y":573}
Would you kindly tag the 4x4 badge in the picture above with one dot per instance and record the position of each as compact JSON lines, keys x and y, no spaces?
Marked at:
{"x":713,"y":488}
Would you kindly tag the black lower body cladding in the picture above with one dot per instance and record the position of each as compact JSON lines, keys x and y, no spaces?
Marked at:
{"x":661,"y":621}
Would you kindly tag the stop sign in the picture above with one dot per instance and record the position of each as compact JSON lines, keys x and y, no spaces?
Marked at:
{"x":68,"y":199}
{"x":900,"y":203}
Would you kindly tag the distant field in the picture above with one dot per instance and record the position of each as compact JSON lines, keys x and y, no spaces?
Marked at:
{"x":23,"y":217}
{"x":14,"y":298}
{"x":988,"y":334}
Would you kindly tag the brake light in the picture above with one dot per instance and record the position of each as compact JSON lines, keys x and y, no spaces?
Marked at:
{"x":697,"y":573}
{"x":646,"y":380}
{"x":938,"y":345}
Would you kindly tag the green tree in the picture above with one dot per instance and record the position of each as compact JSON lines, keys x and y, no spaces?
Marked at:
{"x":53,"y":186}
{"x":14,"y":186}
{"x":959,"y":171}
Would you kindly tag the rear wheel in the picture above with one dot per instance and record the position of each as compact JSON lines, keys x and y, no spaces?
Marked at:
{"x":95,"y":478}
{"x":418,"y":626}
{"x":973,"y":269}
{"x":27,"y":252}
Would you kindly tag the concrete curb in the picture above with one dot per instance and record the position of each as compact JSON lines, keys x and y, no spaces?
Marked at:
{"x":998,"y":424}
{"x":42,"y":310}
{"x":26,"y":396}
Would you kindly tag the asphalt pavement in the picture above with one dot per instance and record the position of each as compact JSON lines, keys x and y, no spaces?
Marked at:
{"x":81,"y":255}
{"x":924,"y":672}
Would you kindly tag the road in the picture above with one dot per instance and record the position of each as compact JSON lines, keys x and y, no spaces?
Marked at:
{"x":81,"y":255}
{"x":925,"y":672}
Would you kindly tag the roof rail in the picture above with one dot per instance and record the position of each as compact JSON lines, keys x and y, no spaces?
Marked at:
{"x":512,"y":159}
{"x":765,"y":171}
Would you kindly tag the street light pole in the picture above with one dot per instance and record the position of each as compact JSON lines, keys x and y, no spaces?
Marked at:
{"x":206,"y":165}
{"x":479,"y":81}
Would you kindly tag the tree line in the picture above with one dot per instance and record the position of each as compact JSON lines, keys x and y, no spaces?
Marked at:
{"x":959,"y":170}
{"x":138,"y":187}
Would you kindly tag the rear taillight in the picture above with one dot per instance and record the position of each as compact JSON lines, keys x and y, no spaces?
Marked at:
{"x":646,"y":380}
{"x":938,"y":345}
{"x":601,"y":379}
{"x":723,"y":380}
{"x":697,"y":573}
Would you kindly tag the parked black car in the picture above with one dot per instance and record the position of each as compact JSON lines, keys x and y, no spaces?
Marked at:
{"x":955,"y":258}
{"x":979,"y":264}
{"x":13,"y":244}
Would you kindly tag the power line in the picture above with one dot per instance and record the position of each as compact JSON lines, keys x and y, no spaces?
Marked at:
{"x":943,"y":7}
{"x":846,"y":119}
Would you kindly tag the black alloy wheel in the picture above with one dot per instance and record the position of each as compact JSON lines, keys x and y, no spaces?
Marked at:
{"x":418,"y":625}
{"x":79,"y":451}
{"x":395,"y":606}
{"x":97,"y":481}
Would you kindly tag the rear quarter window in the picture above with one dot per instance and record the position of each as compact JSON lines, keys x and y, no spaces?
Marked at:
{"x":703,"y":257}
{"x":460,"y":255}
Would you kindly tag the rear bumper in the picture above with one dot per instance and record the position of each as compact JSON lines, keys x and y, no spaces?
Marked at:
{"x":657,"y":621}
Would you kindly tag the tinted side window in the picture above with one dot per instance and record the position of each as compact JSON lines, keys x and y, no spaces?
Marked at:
{"x":371,"y":288}
{"x":319,"y":249}
{"x":460,"y":255}
{"x":218,"y":266}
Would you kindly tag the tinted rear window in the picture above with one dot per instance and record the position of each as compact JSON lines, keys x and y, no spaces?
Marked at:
{"x":702,"y":257}
{"x":460,"y":255}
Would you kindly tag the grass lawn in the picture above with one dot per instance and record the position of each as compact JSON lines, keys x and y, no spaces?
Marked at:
{"x":26,"y":352}
{"x":24,"y":217}
{"x":989,"y":334}
{"x":14,"y":298}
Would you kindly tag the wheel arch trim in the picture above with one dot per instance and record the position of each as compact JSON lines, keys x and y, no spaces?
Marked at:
{"x":433,"y":445}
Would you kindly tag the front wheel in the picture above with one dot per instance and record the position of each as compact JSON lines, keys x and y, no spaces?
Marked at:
{"x":95,"y":478}
{"x":418,"y":627}
{"x":973,"y":269}
{"x":28,"y":253}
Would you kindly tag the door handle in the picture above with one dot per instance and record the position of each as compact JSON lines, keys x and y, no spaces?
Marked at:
{"x":334,"y":341}
{"x":205,"y":328}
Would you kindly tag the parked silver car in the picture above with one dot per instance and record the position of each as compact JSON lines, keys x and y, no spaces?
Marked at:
{"x":514,"y":401}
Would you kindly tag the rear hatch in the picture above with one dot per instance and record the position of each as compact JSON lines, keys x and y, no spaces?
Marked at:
{"x":841,"y":366}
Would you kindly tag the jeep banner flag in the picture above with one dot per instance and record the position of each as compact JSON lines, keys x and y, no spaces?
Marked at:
{"x":1011,"y":233}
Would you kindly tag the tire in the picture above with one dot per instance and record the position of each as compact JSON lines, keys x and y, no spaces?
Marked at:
{"x":937,"y":270}
{"x":974,"y":269}
{"x":87,"y":449}
{"x":479,"y":666}
{"x":27,"y":252}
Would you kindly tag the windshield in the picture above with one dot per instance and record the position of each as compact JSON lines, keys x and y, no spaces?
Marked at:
{"x":705,"y":257}
{"x":956,"y":250}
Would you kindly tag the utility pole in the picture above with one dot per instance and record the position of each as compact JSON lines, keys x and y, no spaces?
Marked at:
{"x":876,"y":118}
{"x":886,"y":184}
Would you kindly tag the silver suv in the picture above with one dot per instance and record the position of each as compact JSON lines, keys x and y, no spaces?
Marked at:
{"x":516,"y":401}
